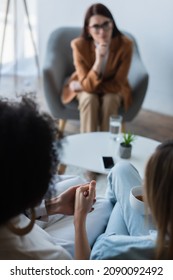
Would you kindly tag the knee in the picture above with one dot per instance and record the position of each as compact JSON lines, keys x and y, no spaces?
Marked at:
{"x":112,"y":100}
{"x":89,"y":100}
{"x":121,"y":168}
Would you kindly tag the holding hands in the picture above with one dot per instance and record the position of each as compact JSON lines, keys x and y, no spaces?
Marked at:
{"x":77,"y":199}
{"x":85,"y":198}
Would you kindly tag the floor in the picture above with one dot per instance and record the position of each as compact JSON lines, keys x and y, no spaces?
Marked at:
{"x":147,"y":123}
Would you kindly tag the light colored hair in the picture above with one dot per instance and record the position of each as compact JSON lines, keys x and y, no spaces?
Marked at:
{"x":159,"y":194}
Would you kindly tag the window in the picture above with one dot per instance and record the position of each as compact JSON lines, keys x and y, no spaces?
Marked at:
{"x":18,"y":45}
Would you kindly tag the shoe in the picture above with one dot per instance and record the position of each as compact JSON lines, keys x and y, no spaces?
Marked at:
{"x":90,"y":175}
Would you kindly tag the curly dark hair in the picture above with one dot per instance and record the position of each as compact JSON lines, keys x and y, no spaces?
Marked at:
{"x":28,"y":157}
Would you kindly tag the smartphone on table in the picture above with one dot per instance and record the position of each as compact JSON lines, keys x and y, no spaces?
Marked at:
{"x":108,"y":162}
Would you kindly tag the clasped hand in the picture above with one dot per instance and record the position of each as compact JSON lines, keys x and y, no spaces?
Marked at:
{"x":76,"y":199}
{"x":75,"y":86}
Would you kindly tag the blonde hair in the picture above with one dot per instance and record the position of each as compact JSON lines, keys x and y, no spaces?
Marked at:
{"x":159,"y":193}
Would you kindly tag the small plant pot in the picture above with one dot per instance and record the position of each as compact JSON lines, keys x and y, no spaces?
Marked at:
{"x":125,"y":151}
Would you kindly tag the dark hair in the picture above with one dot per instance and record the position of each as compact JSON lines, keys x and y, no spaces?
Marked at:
{"x":98,"y":9}
{"x":159,"y":195}
{"x":28,"y":157}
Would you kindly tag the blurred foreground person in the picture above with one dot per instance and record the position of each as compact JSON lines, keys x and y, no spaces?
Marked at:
{"x":28,"y":164}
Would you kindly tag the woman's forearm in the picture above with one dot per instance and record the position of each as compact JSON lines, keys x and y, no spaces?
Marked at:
{"x":97,"y":67}
{"x":85,"y":197}
{"x":82,"y":247}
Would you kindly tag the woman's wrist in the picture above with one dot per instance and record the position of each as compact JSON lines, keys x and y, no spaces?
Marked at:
{"x":79,"y":220}
{"x":53,"y":206}
{"x":97,"y":67}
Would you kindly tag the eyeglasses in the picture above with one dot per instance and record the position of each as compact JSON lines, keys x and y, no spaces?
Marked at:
{"x":106,"y":26}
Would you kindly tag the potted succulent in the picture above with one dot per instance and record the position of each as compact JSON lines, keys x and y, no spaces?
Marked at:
{"x":126,"y":146}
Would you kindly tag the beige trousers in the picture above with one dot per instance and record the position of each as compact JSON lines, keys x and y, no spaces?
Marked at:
{"x":95,"y":110}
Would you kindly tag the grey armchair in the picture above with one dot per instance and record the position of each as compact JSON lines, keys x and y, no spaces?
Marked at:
{"x":59,"y":65}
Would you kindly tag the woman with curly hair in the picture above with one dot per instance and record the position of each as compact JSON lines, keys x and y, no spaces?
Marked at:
{"x":30,"y":189}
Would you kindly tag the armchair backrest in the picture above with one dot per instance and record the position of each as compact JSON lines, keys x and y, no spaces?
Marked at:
{"x":59,"y":53}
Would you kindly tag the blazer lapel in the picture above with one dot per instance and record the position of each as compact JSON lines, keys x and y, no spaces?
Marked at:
{"x":92,"y":51}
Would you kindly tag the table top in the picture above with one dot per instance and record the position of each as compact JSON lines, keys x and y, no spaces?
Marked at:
{"x":85,"y":150}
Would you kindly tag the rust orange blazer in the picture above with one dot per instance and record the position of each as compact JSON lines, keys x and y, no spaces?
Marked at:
{"x":114,"y":78}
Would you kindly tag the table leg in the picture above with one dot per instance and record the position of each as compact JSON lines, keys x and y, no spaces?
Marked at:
{"x":62,"y":124}
{"x":61,"y":168}
{"x":123,"y":127}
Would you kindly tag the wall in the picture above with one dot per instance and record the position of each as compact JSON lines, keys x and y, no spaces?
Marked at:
{"x":150,"y":21}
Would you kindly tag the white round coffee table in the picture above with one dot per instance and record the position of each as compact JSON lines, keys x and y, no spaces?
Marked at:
{"x":85,"y":150}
